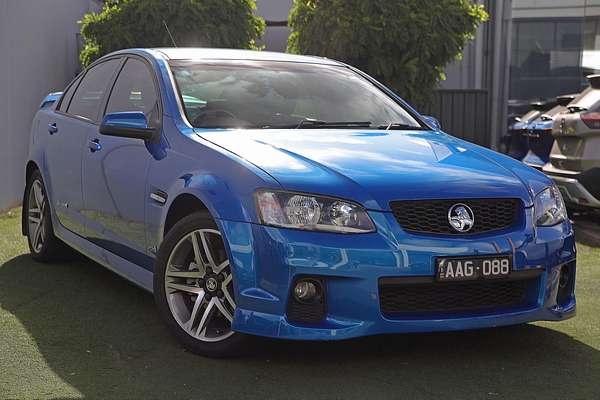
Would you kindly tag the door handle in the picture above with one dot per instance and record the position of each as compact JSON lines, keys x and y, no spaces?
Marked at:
{"x":95,"y":145}
{"x":52,"y":129}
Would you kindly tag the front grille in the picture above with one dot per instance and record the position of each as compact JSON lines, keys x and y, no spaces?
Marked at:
{"x":434,"y":298}
{"x":431,"y":216}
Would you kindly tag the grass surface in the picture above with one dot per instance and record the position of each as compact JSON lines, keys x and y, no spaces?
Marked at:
{"x":75,"y":330}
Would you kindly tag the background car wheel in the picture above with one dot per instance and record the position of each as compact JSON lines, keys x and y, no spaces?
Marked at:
{"x":193,"y":288}
{"x":44,"y":246}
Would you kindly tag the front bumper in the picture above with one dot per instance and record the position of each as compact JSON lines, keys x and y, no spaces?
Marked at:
{"x":572,"y":185}
{"x":267,"y":260}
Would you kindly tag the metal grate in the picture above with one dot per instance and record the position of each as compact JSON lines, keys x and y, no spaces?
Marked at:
{"x":449,"y":298}
{"x":305,"y":313}
{"x":431,"y":216}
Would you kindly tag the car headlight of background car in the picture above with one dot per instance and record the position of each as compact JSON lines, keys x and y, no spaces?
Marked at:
{"x":549,"y":207}
{"x":312,"y":212}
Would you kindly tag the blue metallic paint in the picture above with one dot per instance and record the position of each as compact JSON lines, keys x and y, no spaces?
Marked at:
{"x":223,"y":168}
{"x":128,"y":119}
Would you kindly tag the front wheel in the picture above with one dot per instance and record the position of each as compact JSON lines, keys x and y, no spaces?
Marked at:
{"x":193,"y":288}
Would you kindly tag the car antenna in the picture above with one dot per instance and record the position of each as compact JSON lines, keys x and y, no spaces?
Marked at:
{"x":169,"y":32}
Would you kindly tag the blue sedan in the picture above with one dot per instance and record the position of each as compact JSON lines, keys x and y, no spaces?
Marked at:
{"x":286,"y":196}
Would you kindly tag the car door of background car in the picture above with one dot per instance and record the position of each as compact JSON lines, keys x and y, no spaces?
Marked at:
{"x":114,"y":179}
{"x":74,"y":119}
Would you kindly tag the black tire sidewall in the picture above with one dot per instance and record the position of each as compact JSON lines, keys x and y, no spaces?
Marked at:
{"x":226,"y":348}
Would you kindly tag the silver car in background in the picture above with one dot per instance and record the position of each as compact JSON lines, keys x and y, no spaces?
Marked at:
{"x":575,"y":156}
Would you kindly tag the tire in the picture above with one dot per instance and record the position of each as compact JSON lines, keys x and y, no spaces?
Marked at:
{"x":44,"y":246}
{"x":193,"y":288}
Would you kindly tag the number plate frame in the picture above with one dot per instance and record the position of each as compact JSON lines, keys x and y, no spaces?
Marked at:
{"x":477,"y":264}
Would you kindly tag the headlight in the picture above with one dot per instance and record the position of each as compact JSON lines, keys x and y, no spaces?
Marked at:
{"x":549,"y":207}
{"x":315,"y":213}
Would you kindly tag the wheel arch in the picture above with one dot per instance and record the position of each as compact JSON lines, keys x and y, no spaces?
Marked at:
{"x":182,"y":206}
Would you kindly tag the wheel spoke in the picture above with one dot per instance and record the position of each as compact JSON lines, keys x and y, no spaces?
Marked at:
{"x":34,"y":220}
{"x":37,"y":236}
{"x":181,"y":287}
{"x":225,"y":290}
{"x":37,"y":192}
{"x":42,"y":231}
{"x":207,"y":250}
{"x":196,"y":246}
{"x":206,"y":317}
{"x":184,"y":274}
{"x":223,"y":310}
{"x":194,"y":313}
{"x":221,"y":267}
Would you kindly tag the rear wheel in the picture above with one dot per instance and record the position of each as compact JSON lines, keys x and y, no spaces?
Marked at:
{"x":44,"y":246}
{"x":193,"y":288}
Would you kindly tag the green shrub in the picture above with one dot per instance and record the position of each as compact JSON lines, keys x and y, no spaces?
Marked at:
{"x":139,"y":23}
{"x":403,"y":43}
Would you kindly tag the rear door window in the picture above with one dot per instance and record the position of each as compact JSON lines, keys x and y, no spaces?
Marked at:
{"x":88,"y":96}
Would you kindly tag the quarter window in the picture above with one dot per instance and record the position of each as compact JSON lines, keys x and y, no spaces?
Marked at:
{"x":89,"y":94}
{"x":66,"y":98}
{"x":134,"y":90}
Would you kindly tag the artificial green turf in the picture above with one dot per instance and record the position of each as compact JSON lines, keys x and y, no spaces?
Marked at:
{"x":75,"y":330}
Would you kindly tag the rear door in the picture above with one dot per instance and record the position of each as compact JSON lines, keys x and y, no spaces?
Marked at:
{"x":76,"y":116}
{"x":114,"y":177}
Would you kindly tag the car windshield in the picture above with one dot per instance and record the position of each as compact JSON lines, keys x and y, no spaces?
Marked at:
{"x":270,"y":95}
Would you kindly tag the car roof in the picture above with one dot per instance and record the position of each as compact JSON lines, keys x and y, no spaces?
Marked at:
{"x":195,"y":53}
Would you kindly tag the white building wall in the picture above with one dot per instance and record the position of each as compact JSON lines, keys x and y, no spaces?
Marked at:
{"x":38,"y":55}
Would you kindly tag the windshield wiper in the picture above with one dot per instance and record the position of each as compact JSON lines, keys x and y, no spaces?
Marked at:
{"x":315,"y":123}
{"x":400,"y":127}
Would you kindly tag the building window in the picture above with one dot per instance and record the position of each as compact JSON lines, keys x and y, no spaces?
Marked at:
{"x":546,"y":58}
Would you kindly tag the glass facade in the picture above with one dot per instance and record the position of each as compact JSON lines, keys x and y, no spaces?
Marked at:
{"x":546,"y":58}
{"x":555,"y":45}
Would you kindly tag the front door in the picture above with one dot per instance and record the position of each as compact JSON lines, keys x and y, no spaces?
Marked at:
{"x":115,"y":172}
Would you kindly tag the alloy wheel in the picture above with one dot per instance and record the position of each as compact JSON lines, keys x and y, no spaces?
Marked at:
{"x":199,"y":286}
{"x":36,"y":216}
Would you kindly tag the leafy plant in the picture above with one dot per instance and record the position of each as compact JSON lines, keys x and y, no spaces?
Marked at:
{"x":141,"y":23}
{"x":403,"y":43}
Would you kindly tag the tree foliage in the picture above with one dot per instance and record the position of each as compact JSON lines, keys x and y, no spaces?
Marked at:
{"x":139,"y":23}
{"x":403,"y":43}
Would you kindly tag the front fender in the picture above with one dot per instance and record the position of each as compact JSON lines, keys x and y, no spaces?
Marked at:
{"x":222,"y":181}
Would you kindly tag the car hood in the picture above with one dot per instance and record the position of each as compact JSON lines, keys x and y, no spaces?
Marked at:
{"x":376,"y":167}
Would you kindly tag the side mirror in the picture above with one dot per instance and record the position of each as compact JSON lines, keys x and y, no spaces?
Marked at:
{"x":127,"y":124}
{"x":433,"y":122}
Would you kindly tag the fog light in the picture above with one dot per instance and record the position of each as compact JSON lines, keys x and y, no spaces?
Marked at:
{"x":305,"y":291}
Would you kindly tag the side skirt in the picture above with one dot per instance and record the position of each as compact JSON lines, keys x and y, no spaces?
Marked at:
{"x":132,"y":272}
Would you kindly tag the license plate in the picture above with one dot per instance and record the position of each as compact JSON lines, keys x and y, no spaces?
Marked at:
{"x":452,"y":269}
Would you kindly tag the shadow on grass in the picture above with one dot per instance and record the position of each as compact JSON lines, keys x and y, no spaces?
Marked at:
{"x":102,"y":336}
